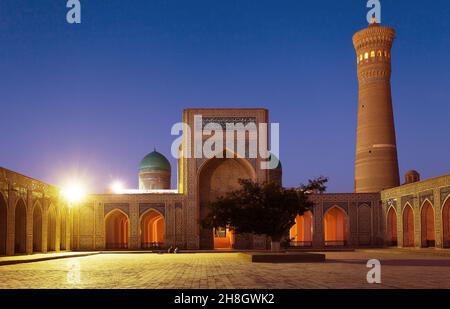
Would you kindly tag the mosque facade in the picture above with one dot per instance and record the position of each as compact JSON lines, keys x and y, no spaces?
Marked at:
{"x":380,"y":212}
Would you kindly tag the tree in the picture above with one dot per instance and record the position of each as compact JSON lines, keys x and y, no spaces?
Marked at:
{"x":262,"y":208}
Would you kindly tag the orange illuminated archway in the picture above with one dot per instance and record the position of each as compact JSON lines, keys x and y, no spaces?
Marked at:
{"x":335,"y":227}
{"x":392,"y":227}
{"x":301,"y":233}
{"x":446,"y":223}
{"x":408,"y":227}
{"x":116,"y":224}
{"x":427,"y":220}
{"x":152,"y":230}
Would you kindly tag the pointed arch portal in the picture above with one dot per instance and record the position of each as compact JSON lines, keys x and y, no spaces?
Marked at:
{"x":392,"y":227}
{"x":335,"y":227}
{"x":218,"y":176}
{"x":37,"y":228}
{"x":20,"y":227}
{"x":51,"y":229}
{"x":152,"y":230}
{"x":446,"y":223}
{"x":427,"y":222}
{"x":3,"y":221}
{"x":408,"y":227}
{"x":116,"y":224}
{"x":63,"y":229}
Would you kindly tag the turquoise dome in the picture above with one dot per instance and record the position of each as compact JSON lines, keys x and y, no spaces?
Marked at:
{"x":155,"y":161}
{"x":279,"y":166}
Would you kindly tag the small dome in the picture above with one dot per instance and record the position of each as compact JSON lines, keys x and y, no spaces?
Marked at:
{"x":412,"y":176}
{"x":155,"y":161}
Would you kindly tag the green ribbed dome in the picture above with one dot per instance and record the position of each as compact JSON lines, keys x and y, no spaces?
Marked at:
{"x":155,"y":161}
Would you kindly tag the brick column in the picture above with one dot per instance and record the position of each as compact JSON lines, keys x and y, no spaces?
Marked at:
{"x":11,"y":217}
{"x":438,"y":224}
{"x":69,"y":227}
{"x":100,"y":240}
{"x":45,"y":206}
{"x":318,"y":236}
{"x":58,"y":226}
{"x":351,"y":226}
{"x":169,"y":224}
{"x":133,"y":239}
{"x":29,"y":222}
{"x":417,"y":222}
{"x":399,"y":222}
{"x":179,"y":241}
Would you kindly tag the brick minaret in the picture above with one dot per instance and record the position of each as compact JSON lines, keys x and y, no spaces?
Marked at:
{"x":376,"y":165}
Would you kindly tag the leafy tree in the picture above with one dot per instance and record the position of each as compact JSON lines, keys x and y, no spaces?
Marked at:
{"x":262,"y":208}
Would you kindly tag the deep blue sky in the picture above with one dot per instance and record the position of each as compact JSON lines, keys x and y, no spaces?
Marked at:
{"x":94,"y":98}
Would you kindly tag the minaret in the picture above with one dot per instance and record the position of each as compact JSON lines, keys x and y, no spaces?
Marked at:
{"x":376,"y":165}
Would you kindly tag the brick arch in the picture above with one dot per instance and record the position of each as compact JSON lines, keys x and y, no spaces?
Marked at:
{"x":37,"y":227}
{"x":427,"y":224}
{"x":3,"y":224}
{"x":20,"y":226}
{"x":446,"y":223}
{"x":335,"y":224}
{"x":408,"y":226}
{"x":227,"y":152}
{"x":391,"y":226}
{"x":117,"y":229}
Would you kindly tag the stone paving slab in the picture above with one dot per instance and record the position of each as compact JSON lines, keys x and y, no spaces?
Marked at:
{"x":229,"y":271}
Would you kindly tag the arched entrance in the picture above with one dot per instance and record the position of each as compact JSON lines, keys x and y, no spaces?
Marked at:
{"x":37,"y":228}
{"x":217,"y":177}
{"x":152,"y":230}
{"x":392,"y":227}
{"x":116,"y":224}
{"x":20,"y":240}
{"x":408,"y":227}
{"x":446,"y":223}
{"x":62,"y":226}
{"x":335,"y":227}
{"x":51,"y":229}
{"x":3,"y":222}
{"x":301,"y":233}
{"x":427,"y":220}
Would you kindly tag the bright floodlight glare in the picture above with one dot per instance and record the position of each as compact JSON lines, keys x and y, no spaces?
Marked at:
{"x":73,"y":193}
{"x":117,"y":187}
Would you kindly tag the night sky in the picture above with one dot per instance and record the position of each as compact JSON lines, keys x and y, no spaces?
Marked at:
{"x":91,"y":100}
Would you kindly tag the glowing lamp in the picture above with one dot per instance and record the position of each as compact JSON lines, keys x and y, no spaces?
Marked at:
{"x":73,"y":193}
{"x":117,"y":187}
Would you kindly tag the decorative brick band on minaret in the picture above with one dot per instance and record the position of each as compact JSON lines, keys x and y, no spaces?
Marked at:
{"x":376,"y":165}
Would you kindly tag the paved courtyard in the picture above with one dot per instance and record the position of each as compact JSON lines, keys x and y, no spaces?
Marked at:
{"x":228,"y":270}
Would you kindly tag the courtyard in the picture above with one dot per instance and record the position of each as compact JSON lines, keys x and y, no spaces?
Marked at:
{"x":399,"y":269}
